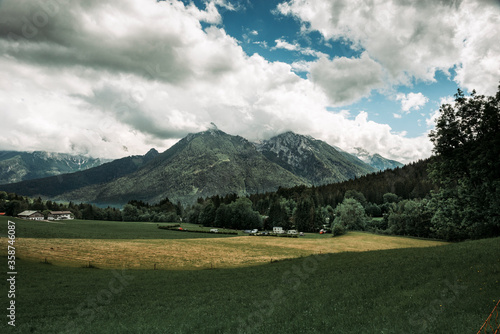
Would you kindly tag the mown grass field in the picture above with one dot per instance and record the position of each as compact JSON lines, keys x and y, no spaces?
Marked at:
{"x":444,"y":289}
{"x":164,"y":249}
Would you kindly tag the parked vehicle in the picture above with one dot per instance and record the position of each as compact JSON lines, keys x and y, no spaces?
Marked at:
{"x":278,"y":230}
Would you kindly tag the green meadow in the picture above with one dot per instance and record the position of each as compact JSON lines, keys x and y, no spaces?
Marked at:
{"x":136,"y":245}
{"x":448,"y":288}
{"x":91,"y":229}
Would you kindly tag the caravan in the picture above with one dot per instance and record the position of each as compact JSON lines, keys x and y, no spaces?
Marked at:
{"x":278,"y":230}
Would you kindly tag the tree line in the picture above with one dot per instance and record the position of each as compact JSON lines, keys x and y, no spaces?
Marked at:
{"x":164,"y":211}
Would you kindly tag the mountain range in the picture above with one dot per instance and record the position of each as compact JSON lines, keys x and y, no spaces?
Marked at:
{"x":313,"y":160}
{"x":200,"y":165}
{"x":20,"y":166}
{"x":376,"y":160}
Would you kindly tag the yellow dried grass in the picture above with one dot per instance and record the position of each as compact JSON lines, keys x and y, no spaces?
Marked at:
{"x":198,"y":253}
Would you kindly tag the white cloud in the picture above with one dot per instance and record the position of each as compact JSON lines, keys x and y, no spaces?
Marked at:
{"x":375,"y":137}
{"x":282,"y":44}
{"x":91,"y":82}
{"x":301,"y":66}
{"x":209,"y":15}
{"x":411,"y":101}
{"x":412,"y":40}
{"x":346,"y":80}
{"x":479,"y":28}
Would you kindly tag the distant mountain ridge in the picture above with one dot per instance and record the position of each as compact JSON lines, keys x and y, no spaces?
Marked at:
{"x":376,"y":160}
{"x":53,"y":186}
{"x":200,"y":165}
{"x":19,"y":166}
{"x":314,"y":160}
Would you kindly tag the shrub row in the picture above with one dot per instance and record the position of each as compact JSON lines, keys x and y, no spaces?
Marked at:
{"x":168,"y":227}
{"x":277,"y":235}
{"x":197,"y":231}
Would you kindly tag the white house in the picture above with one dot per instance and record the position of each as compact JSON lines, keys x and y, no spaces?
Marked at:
{"x":57,"y":215}
{"x":31,"y":215}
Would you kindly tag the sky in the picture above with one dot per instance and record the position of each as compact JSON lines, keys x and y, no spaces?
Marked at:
{"x":115,"y":78}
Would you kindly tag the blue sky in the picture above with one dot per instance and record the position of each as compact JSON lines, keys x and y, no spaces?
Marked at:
{"x":111,"y":79}
{"x":257,"y":26}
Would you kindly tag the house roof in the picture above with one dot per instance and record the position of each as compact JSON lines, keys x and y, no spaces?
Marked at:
{"x":60,"y":212}
{"x":27,"y":213}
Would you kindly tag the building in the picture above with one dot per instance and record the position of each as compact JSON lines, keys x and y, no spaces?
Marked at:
{"x":31,"y":215}
{"x":58,"y":215}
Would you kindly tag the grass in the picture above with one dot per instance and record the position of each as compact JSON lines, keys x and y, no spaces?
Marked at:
{"x":356,"y":283}
{"x":446,"y":289}
{"x":92,"y":229}
{"x":175,"y":250}
{"x":197,"y":253}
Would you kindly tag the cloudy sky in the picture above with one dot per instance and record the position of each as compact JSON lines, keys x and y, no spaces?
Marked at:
{"x":115,"y":78}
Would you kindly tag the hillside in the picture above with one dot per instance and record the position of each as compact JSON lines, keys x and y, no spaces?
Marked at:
{"x":312,"y":159}
{"x":407,"y":182}
{"x":21,"y":166}
{"x":200,"y":165}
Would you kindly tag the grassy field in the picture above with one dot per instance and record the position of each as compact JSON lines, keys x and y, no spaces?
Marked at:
{"x":90,"y":229}
{"x":341,"y":288}
{"x":163,"y":249}
{"x":447,"y":289}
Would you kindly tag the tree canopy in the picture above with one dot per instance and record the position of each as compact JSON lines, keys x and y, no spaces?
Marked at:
{"x":467,"y":167}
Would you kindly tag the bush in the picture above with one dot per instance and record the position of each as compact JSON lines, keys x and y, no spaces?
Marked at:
{"x":338,"y":229}
{"x":173,"y":228}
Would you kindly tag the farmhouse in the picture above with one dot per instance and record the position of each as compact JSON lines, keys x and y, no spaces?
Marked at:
{"x":57,"y":215}
{"x":31,"y":215}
